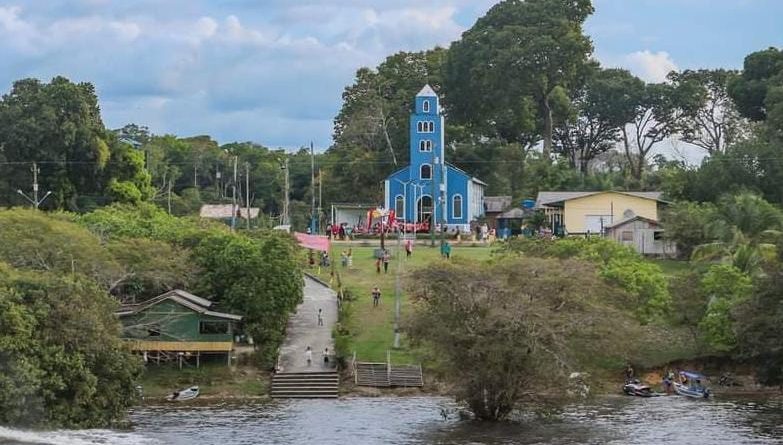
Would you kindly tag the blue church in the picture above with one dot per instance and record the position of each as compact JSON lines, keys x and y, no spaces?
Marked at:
{"x":418,"y":191}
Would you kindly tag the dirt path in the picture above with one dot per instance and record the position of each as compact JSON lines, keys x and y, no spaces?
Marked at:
{"x":303,"y":329}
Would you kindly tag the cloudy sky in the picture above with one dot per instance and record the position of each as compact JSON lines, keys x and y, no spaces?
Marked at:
{"x":272,"y":71}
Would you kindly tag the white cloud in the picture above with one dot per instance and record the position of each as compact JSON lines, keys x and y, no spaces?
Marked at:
{"x":650,"y":66}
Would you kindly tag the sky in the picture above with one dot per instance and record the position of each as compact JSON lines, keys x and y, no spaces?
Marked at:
{"x":273,"y":71}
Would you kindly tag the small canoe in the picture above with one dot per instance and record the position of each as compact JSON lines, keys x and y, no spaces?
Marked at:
{"x":186,"y":394}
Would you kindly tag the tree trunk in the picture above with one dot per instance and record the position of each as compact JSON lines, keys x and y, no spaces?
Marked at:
{"x":547,"y":129}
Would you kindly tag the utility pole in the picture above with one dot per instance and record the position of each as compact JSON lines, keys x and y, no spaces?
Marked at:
{"x":312,"y":189}
{"x":247,"y":193}
{"x":234,"y":198}
{"x":169,"y":196}
{"x":285,"y":217}
{"x":35,"y":201}
{"x":320,"y":196}
{"x":434,"y":213}
{"x":443,"y":204}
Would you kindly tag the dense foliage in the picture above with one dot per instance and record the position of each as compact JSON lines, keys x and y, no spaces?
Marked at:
{"x":62,"y":362}
{"x":62,"y":276}
{"x":644,"y":282}
{"x":502,"y":328}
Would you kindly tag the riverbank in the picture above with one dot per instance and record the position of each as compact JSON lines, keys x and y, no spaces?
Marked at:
{"x":216,"y":382}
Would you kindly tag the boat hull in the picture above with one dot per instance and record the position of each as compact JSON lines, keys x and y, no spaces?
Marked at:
{"x":184,"y":395}
{"x":694,"y":393}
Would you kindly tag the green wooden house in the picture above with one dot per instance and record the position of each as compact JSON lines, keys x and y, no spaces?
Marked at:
{"x":178,"y":326}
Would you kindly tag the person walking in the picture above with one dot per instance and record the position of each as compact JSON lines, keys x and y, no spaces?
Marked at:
{"x":309,"y":355}
{"x":320,"y":317}
{"x":376,"y":296}
{"x":445,"y":250}
{"x":326,"y":357}
{"x":350,"y":258}
{"x":378,"y":264}
{"x":408,"y":248}
{"x":385,"y":261}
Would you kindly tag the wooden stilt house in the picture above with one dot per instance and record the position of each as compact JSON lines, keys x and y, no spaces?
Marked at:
{"x":178,"y":326}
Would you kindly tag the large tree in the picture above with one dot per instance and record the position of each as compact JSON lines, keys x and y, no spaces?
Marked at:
{"x":371,"y":131}
{"x":713,"y":123}
{"x":659,"y":112}
{"x":512,"y":69}
{"x":58,"y":126}
{"x":755,"y":90}
{"x":500,"y":329}
{"x":62,"y":363}
{"x":601,"y":108}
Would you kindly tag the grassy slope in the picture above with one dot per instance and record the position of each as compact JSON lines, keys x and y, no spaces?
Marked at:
{"x":215,"y":380}
{"x":373,"y":327}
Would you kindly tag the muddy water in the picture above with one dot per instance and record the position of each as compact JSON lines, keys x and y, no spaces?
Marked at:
{"x":419,"y":420}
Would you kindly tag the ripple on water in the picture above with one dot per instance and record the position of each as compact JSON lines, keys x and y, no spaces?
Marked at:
{"x":418,"y":420}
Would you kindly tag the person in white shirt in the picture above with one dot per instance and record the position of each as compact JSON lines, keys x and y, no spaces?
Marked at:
{"x":309,"y":355}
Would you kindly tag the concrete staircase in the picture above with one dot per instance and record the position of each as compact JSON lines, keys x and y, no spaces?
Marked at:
{"x":305,"y":385}
{"x":382,"y":375}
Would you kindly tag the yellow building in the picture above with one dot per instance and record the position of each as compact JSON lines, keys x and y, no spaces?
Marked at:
{"x":593,"y":212}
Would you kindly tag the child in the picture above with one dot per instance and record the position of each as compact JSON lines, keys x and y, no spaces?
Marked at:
{"x":376,"y":296}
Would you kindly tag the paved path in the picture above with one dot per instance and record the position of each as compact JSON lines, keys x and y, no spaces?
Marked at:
{"x":303,"y":329}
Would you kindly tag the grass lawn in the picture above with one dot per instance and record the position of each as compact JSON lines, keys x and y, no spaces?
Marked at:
{"x":673,"y":267}
{"x":372,"y":327}
{"x":213,"y":379}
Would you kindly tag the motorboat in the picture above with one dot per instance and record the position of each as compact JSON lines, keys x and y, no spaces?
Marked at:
{"x":183,"y":395}
{"x":639,"y":389}
{"x":691,"y":385}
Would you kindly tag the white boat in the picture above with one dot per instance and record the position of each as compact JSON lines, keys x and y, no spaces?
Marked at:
{"x":691,"y":385}
{"x":186,"y":394}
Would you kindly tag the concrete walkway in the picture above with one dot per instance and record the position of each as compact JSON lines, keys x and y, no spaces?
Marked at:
{"x":303,"y":330}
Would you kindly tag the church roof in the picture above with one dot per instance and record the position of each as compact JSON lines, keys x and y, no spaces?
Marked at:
{"x":427,"y":91}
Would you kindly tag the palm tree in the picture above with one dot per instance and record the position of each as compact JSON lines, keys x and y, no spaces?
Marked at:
{"x":745,"y":228}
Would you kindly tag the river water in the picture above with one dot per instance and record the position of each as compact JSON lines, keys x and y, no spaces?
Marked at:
{"x":420,"y":420}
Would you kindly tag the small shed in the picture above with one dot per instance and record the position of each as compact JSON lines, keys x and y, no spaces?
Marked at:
{"x":511,"y":222}
{"x":178,"y":325}
{"x":645,"y":235}
{"x":494,"y":206}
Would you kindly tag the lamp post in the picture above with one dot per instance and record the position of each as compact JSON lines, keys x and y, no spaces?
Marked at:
{"x":397,"y":290}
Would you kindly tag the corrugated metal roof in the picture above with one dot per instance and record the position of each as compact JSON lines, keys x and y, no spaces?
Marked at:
{"x":223,"y":211}
{"x":496,"y":203}
{"x":186,"y":299}
{"x":187,"y":295}
{"x":630,"y":219}
{"x":546,"y":198}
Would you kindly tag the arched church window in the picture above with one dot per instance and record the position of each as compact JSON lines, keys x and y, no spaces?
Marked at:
{"x":456,"y":207}
{"x":425,"y":171}
{"x":420,"y":127}
{"x":430,"y":126}
{"x":425,"y":145}
{"x":425,"y":106}
{"x":399,"y":206}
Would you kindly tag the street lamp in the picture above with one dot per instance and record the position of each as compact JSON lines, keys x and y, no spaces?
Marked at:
{"x":35,"y":202}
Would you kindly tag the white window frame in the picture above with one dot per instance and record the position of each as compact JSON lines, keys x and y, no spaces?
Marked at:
{"x":419,"y":127}
{"x":397,"y":199}
{"x":425,"y":106}
{"x":421,"y":167}
{"x":430,"y":127}
{"x":425,"y":145}
{"x":454,"y":207}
